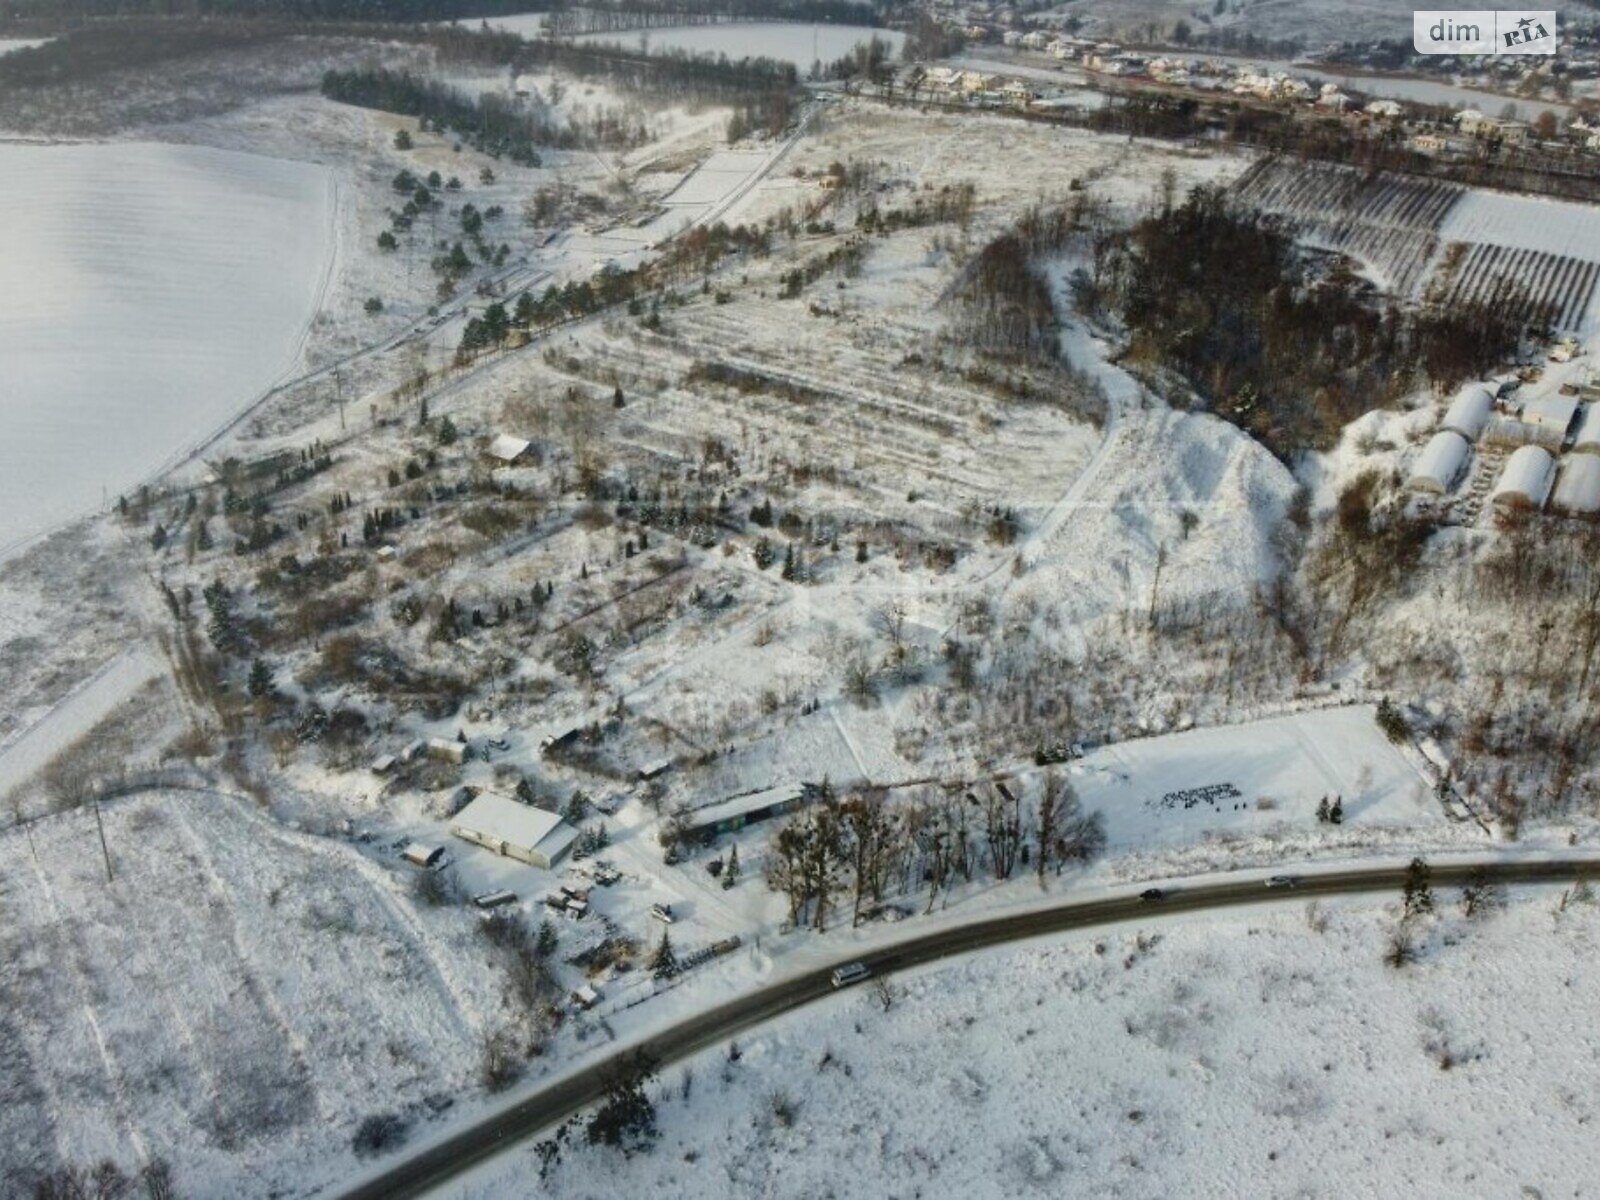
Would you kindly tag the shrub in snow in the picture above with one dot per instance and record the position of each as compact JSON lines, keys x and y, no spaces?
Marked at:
{"x":378,"y":1133}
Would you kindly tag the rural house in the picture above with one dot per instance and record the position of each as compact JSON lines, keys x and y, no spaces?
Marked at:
{"x":514,"y":829}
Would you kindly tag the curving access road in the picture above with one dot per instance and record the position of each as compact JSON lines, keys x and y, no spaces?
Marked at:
{"x":432,"y":1166}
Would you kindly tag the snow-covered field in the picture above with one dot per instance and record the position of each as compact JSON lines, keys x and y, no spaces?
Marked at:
{"x":1262,"y":1054}
{"x":233,"y":1000}
{"x":147,"y":292}
{"x":1426,"y":238}
{"x":1278,"y":768}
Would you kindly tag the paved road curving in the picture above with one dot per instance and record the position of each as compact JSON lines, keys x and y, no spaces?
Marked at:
{"x":434,"y":1165}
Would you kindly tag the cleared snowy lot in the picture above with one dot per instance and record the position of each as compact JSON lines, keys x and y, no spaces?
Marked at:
{"x":1265,"y":1054}
{"x":1160,"y":791}
{"x":146,"y":293}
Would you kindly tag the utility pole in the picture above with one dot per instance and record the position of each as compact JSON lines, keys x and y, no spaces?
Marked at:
{"x":1155,"y":585}
{"x":338,"y":391}
{"x":104,"y":849}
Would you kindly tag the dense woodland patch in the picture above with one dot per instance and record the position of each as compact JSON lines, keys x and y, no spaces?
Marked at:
{"x":1287,"y":345}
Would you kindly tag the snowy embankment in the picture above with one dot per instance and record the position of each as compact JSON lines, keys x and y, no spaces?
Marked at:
{"x":149,"y":292}
{"x":1272,"y":1051}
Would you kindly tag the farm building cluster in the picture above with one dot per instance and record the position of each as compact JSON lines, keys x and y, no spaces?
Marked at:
{"x":1528,"y":455}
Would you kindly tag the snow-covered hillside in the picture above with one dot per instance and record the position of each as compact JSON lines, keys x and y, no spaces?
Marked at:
{"x":1268,"y":1054}
{"x":147,"y":292}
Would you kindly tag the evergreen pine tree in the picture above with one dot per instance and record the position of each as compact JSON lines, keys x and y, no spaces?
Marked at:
{"x":664,"y":963}
{"x":261,"y":683}
{"x":546,"y":945}
{"x":1418,"y":894}
{"x":730,"y":873}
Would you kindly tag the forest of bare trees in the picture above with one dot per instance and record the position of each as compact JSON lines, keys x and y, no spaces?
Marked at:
{"x":859,"y":853}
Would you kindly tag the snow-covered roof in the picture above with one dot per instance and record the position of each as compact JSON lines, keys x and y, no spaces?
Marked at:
{"x":1554,"y":412}
{"x":1439,"y":465}
{"x":1526,"y":478}
{"x":1469,"y":411}
{"x":738,"y":806}
{"x":507,"y":448}
{"x":1578,"y":487}
{"x":513,"y":822}
{"x":1588,"y":437}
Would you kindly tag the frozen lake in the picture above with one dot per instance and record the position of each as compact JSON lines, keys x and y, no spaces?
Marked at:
{"x":147,"y":293}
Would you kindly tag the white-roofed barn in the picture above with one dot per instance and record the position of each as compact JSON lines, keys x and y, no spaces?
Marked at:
{"x":1440,"y":465}
{"x":1469,"y":411}
{"x":1578,"y":486}
{"x":514,"y":829}
{"x":1587,"y":439}
{"x":1525,"y":483}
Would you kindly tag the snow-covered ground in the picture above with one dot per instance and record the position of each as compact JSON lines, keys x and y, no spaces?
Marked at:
{"x":9,"y":45}
{"x":1271,"y":1053}
{"x":233,"y":1000}
{"x":146,"y":293}
{"x":855,"y":413}
{"x":1153,"y":791}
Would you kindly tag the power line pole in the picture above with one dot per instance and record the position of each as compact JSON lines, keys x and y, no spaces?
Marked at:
{"x":104,"y":849}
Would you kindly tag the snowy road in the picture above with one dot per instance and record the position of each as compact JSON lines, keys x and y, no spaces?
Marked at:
{"x":87,"y":705}
{"x":433,"y":1166}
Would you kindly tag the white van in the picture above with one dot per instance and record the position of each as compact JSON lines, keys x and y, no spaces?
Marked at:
{"x":850,"y":973}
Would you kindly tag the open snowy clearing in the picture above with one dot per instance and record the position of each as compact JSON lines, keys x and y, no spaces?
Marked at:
{"x":1262,"y":1053}
{"x":1158,"y":791}
{"x":148,"y":292}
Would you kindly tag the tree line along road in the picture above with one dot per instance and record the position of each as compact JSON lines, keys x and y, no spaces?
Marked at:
{"x":432,"y":1166}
